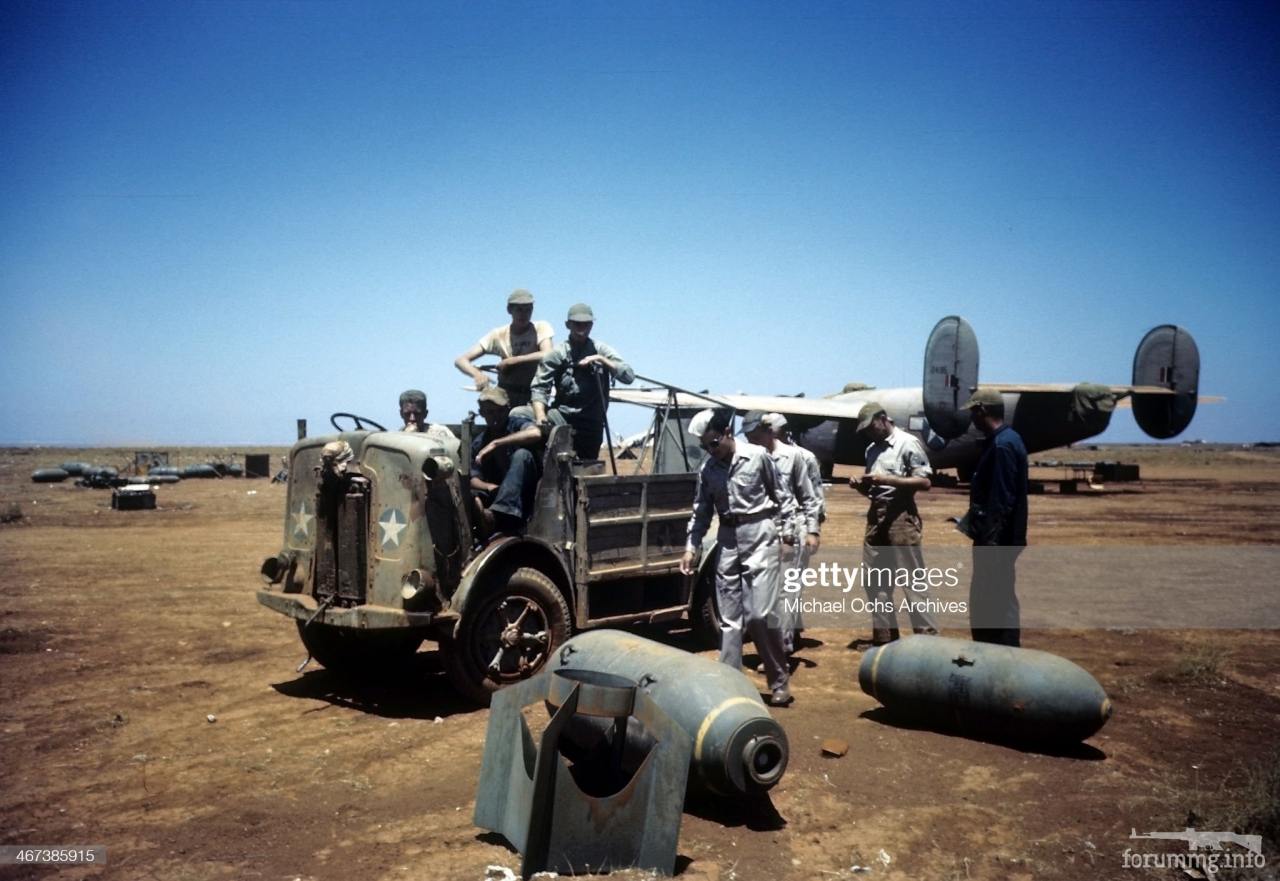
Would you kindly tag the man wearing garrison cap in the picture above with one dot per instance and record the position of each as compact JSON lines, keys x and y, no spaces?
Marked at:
{"x":802,"y":535}
{"x":897,"y":468}
{"x":997,"y":522}
{"x":739,"y":484}
{"x":413,"y":411}
{"x":778,"y":423}
{"x":519,"y":346}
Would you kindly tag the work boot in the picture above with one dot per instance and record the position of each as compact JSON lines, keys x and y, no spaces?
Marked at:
{"x":506,"y":524}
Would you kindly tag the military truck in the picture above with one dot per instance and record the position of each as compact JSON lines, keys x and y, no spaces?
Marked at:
{"x":380,"y":553}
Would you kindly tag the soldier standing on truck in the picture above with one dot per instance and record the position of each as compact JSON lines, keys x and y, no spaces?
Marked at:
{"x":413,"y":411}
{"x":506,"y":467}
{"x":740,"y":484}
{"x":580,"y":370}
{"x":520,"y":345}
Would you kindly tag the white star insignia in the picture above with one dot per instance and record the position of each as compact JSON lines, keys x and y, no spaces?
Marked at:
{"x":392,"y":524}
{"x":302,"y":520}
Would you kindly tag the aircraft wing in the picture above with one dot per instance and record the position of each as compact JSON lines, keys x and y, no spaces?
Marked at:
{"x":823,"y":408}
{"x":1120,"y":391}
{"x":1124,"y":393}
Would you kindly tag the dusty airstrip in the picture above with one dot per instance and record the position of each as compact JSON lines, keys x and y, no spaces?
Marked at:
{"x":122,"y":633}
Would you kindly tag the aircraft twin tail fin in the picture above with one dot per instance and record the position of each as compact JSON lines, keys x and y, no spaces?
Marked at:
{"x":1166,"y":358}
{"x":950,"y":375}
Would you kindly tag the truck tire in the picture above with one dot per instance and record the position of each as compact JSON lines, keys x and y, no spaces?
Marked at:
{"x":346,"y":650}
{"x":706,"y":616}
{"x":507,"y":634}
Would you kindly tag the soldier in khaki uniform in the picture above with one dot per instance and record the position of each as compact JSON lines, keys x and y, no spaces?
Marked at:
{"x":740,"y":485}
{"x":778,"y":423}
{"x":804,"y":552}
{"x":897,"y":468}
{"x":801,"y":537}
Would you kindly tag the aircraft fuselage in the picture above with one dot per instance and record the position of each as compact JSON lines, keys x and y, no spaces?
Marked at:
{"x":1045,"y":422}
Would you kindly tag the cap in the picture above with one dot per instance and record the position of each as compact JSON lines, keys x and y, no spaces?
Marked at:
{"x":870,"y":410}
{"x":776,"y":421}
{"x":700,"y":422}
{"x":984,"y":397}
{"x":413,"y":396}
{"x":520,"y":297}
{"x":753,"y":420}
{"x":581,"y":312}
{"x":495,"y":395}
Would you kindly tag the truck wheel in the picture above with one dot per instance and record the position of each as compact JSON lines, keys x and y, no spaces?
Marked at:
{"x":706,"y":617}
{"x":355,"y":651}
{"x":508,"y":635}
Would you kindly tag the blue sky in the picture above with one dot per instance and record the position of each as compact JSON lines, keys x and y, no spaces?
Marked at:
{"x":218,"y":217}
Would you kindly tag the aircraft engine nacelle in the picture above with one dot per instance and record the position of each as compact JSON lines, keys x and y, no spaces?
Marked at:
{"x":1167,"y":357}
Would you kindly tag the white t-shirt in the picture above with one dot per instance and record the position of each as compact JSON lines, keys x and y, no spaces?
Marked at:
{"x":502,"y":342}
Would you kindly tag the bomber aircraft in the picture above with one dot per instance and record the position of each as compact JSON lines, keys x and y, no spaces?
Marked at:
{"x":1163,"y":396}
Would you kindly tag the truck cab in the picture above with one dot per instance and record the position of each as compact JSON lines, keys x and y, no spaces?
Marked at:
{"x":380,"y":553}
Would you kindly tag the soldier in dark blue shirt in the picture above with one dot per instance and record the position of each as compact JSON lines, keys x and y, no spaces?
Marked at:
{"x":505,"y":472}
{"x":997,"y":523}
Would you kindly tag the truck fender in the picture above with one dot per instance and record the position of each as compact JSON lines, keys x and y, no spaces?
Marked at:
{"x":506,"y":555}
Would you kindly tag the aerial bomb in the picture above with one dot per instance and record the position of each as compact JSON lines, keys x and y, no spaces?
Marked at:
{"x":985,"y":689}
{"x":200,"y":471}
{"x":49,"y":475}
{"x":154,"y":478}
{"x":737,"y":746}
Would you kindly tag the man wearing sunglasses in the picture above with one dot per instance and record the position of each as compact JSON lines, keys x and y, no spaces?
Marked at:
{"x":740,"y":484}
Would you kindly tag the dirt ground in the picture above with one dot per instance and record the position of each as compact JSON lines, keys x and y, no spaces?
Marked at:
{"x":152,"y":706}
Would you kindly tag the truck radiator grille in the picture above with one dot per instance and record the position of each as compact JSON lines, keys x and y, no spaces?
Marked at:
{"x":342,"y":512}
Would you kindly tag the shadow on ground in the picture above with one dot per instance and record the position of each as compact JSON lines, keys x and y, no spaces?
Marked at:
{"x":419,"y":690}
{"x":1080,"y":751}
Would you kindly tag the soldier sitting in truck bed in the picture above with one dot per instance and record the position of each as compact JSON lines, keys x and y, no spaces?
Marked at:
{"x":505,"y":475}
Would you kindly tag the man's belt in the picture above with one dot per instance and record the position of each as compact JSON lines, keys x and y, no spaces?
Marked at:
{"x":736,"y":520}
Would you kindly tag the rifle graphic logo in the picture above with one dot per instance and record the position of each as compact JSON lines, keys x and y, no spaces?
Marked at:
{"x":1205,"y":840}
